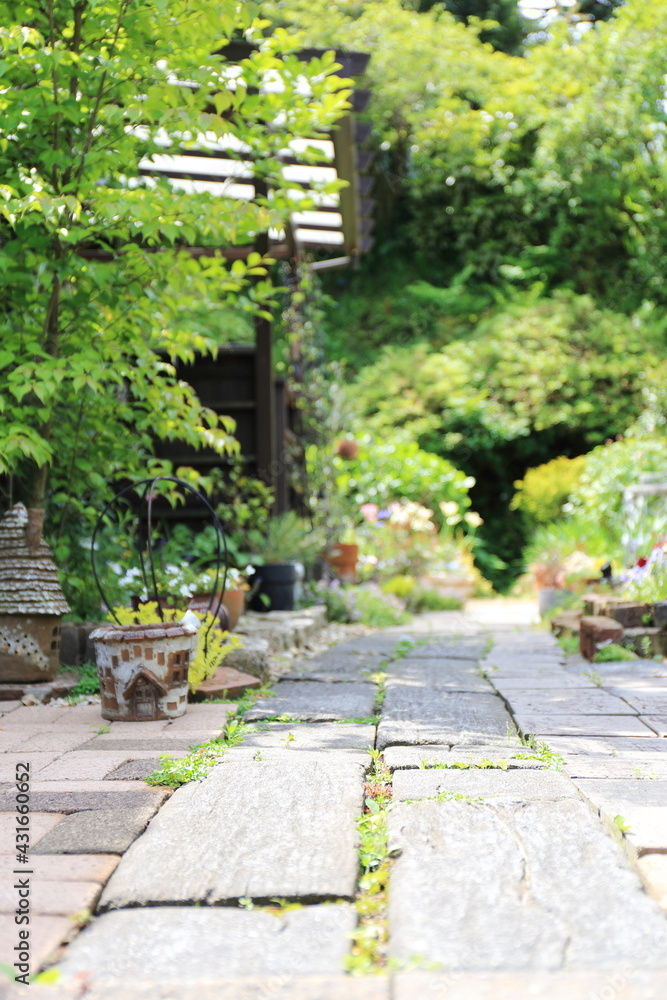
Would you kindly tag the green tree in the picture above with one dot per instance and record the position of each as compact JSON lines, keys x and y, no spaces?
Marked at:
{"x":510,"y":30}
{"x":556,"y":377}
{"x":99,"y":296}
{"x":556,"y":175}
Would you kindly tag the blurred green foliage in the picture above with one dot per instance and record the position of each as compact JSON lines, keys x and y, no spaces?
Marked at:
{"x":393,"y":468}
{"x":545,"y":489}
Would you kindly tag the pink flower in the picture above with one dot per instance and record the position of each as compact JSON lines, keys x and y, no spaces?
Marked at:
{"x":369,"y":511}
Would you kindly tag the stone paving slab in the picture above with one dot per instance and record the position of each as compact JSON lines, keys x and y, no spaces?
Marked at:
{"x":450,"y":649}
{"x":542,"y":682}
{"x":627,"y":983}
{"x":644,"y":703}
{"x":347,"y":675}
{"x":620,"y":674}
{"x":652,"y":869}
{"x":642,"y":804}
{"x":339,"y":663}
{"x":383,"y":644}
{"x":448,"y":675}
{"x":419,"y":716}
{"x":283,"y":827}
{"x":46,"y":934}
{"x":554,"y":702}
{"x":398,"y":758}
{"x":313,"y":736}
{"x":40,"y":824}
{"x":314,"y":701}
{"x":543,"y":724}
{"x":613,"y":745}
{"x":527,"y":668}
{"x":276,"y":987}
{"x":202,"y":942}
{"x":619,"y":684}
{"x":286,"y":753}
{"x":95,"y":831}
{"x":518,"y":886}
{"x":658,"y":723}
{"x":488,"y":783}
{"x":61,"y":797}
{"x":637,"y":766}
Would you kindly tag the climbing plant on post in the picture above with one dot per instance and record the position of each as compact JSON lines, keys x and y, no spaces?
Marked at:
{"x":98,"y":281}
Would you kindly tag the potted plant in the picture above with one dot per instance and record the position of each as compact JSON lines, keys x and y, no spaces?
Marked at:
{"x":286,"y":542}
{"x":343,"y":556}
{"x":233,"y":597}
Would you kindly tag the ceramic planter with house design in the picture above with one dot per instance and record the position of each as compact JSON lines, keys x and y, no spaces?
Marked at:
{"x":143,"y":670}
{"x":31,"y":601}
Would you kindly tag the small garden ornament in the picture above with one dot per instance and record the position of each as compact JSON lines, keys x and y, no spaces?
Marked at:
{"x":31,"y":601}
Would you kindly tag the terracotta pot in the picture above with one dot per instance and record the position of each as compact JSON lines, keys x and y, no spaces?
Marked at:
{"x":347,"y":449}
{"x":207,"y":602}
{"x":143,"y":670}
{"x":343,"y":559}
{"x":234,"y":601}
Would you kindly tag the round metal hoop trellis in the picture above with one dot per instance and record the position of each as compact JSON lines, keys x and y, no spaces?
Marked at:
{"x":148,"y":496}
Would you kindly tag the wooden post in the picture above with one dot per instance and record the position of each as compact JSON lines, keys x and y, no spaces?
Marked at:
{"x":266,"y":443}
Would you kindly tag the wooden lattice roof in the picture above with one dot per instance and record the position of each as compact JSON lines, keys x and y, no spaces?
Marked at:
{"x":338,"y":224}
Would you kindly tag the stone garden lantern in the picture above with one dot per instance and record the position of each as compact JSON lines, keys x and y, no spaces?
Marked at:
{"x":31,"y":601}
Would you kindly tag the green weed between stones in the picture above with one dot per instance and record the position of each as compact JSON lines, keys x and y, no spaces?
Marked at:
{"x":541,"y":751}
{"x":611,"y":652}
{"x":276,"y":907}
{"x":593,"y":676}
{"x":622,"y":824}
{"x":369,"y":943}
{"x":380,"y":680}
{"x":202,"y":757}
{"x":485,"y":763}
{"x":447,"y":797}
{"x":569,"y":643}
{"x":88,"y":683}
{"x":405,"y":646}
{"x":641,"y":775}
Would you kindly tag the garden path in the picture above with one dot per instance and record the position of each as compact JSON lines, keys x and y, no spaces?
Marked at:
{"x":514,"y":871}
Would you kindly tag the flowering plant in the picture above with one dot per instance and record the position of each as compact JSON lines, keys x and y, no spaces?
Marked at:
{"x":177,"y":581}
{"x":397,"y":539}
{"x":647,"y":580}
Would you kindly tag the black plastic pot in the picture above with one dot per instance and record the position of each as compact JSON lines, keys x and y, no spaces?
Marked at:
{"x":277,"y":583}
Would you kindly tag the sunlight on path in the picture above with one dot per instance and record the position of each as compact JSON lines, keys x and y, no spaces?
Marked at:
{"x":503,"y":611}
